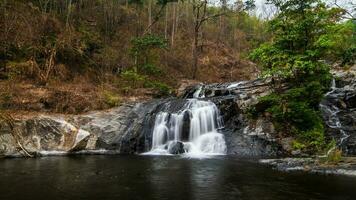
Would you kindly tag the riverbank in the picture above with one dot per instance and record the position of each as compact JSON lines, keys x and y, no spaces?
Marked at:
{"x":346,"y":166}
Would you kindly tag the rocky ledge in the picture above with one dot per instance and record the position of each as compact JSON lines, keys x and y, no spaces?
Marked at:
{"x":127,"y":129}
{"x":119,"y":130}
{"x":314,"y":165}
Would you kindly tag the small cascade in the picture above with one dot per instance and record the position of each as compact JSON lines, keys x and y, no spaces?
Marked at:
{"x":331,"y":112}
{"x":194,"y":131}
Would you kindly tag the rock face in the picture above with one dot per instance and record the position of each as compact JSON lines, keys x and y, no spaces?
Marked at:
{"x":244,"y":137}
{"x":128,"y":129}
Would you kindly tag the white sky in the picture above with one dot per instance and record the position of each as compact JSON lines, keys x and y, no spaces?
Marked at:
{"x":350,"y":5}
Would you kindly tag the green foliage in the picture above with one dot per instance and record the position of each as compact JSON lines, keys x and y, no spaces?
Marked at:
{"x":298,"y":145}
{"x":339,"y":42}
{"x":111,"y":99}
{"x":5,"y":99}
{"x":137,"y":80}
{"x":147,"y":43}
{"x":294,"y":112}
{"x":301,"y":40}
{"x":138,"y":2}
{"x":249,"y":5}
{"x":150,"y":69}
{"x":144,"y":51}
{"x":161,"y":88}
{"x":333,"y":154}
{"x":133,"y":77}
{"x":334,"y":157}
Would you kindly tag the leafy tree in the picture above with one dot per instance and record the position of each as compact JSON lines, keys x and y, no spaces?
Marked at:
{"x":340,"y":42}
{"x":296,"y":55}
{"x":144,"y":53}
{"x":250,"y":5}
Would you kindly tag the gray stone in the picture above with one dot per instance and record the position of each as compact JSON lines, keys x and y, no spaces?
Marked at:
{"x":176,"y":148}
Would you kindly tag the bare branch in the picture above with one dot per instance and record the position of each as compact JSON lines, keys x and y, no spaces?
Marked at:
{"x":350,"y":15}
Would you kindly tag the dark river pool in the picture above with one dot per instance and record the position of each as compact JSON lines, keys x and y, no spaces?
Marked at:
{"x":162,"y":177}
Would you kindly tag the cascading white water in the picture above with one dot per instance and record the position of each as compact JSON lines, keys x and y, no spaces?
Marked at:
{"x":204,"y":122}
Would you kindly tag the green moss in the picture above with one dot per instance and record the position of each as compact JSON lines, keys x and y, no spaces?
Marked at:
{"x":298,"y":145}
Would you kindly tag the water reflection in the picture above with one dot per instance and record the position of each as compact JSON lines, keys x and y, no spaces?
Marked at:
{"x":170,"y":177}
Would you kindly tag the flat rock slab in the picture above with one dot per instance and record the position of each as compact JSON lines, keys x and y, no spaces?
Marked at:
{"x":347,"y":166}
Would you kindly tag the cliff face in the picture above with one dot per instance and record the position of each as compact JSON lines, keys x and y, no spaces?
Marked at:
{"x":128,"y":128}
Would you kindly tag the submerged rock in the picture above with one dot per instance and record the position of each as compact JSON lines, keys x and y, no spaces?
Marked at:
{"x":176,"y":147}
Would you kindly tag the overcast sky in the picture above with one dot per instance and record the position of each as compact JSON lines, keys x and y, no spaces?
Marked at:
{"x":344,"y":3}
{"x":341,"y":2}
{"x":350,"y":5}
{"x":261,"y":5}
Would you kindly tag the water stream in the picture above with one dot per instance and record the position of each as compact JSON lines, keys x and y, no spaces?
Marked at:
{"x":331,"y":112}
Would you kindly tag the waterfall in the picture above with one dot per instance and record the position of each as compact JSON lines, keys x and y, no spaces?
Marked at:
{"x":194,"y":130}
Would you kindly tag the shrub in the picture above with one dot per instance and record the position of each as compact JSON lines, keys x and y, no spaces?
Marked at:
{"x":111,"y":99}
{"x":6,"y":99}
{"x":295,"y":113}
{"x":333,"y":155}
{"x":161,"y":88}
{"x":133,"y":77}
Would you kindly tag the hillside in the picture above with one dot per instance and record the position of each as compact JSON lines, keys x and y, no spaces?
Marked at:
{"x":76,"y":56}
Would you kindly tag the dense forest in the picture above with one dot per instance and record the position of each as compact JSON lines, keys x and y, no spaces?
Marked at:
{"x":72,"y":56}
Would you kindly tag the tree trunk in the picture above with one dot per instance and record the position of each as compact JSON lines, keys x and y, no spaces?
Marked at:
{"x":166,"y":24}
{"x":68,"y":13}
{"x":195,"y":53}
{"x":173,"y":23}
{"x":149,"y":15}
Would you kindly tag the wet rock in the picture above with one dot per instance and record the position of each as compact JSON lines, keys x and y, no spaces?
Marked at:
{"x":339,"y":110}
{"x":176,"y":148}
{"x":186,"y":85}
{"x":314,"y":165}
{"x":81,"y":140}
{"x":287,"y":144}
{"x":296,"y":153}
{"x":186,"y":126}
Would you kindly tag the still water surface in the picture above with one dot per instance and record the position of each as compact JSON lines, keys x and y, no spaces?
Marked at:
{"x":163,"y":177}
